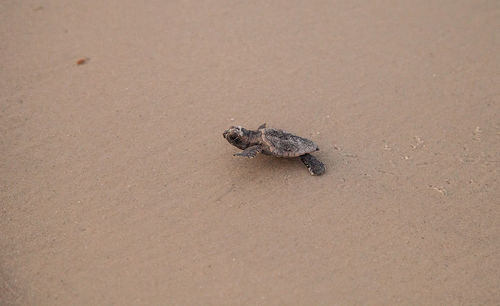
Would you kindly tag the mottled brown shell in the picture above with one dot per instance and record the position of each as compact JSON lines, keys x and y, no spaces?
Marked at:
{"x":284,"y":144}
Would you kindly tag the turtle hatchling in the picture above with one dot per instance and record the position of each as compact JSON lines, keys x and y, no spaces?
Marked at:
{"x":274,"y":142}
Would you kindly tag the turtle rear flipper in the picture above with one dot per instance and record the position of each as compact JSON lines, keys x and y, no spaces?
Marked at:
{"x":250,"y":152}
{"x":314,"y":166}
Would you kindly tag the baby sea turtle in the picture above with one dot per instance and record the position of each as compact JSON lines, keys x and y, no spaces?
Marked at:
{"x":274,"y":142}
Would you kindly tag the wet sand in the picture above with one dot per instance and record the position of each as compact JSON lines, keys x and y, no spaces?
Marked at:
{"x":116,"y":186}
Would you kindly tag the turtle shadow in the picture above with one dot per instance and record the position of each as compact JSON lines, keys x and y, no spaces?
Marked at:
{"x":271,"y":166}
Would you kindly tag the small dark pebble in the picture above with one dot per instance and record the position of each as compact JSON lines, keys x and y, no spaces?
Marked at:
{"x":82,"y":61}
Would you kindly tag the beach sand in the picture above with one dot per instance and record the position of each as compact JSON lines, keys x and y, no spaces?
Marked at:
{"x":116,"y":186}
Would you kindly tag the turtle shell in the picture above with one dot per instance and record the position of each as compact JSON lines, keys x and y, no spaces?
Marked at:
{"x":284,"y":144}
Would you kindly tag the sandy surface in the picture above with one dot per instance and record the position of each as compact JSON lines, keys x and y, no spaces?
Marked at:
{"x":117,"y":187}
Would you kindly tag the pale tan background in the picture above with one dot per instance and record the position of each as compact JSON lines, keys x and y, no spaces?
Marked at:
{"x":117,"y":187}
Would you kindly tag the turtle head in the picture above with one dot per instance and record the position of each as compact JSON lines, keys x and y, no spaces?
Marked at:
{"x":238,"y":137}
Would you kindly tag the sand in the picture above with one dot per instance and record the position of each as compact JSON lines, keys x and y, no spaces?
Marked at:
{"x":117,"y":188}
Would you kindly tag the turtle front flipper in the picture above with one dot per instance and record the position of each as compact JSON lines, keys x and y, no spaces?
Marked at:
{"x":250,"y":152}
{"x":314,"y":166}
{"x":262,"y":126}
